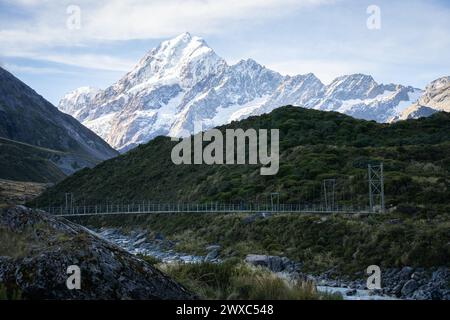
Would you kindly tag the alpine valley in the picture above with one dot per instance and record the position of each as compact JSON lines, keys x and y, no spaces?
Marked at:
{"x":184,"y":81}
{"x":38,"y":143}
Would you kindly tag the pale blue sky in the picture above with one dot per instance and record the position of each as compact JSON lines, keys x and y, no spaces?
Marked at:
{"x":326,"y":37}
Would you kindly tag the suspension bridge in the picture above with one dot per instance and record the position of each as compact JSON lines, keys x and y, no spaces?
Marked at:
{"x":328,"y":205}
{"x":155,"y":208}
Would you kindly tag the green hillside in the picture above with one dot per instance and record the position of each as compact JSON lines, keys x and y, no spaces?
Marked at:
{"x":314,"y":146}
{"x":28,"y":163}
{"x":38,"y":142}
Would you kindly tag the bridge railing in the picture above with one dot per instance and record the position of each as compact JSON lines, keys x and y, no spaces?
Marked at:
{"x":148,"y":207}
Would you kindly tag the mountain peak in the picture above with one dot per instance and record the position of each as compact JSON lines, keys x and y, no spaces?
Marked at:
{"x":178,"y":48}
{"x":185,"y":36}
{"x":185,"y":58}
{"x":183,"y":40}
{"x":354,"y":77}
{"x":311,"y":76}
{"x":248,"y":62}
{"x":353,"y":86}
{"x":439,"y":83}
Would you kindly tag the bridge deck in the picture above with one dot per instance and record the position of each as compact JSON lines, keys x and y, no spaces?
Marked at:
{"x":208,"y":209}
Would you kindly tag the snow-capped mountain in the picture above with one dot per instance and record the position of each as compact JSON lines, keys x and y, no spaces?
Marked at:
{"x":436,"y":97}
{"x":183,"y":81}
{"x":302,"y":90}
{"x":357,"y":95}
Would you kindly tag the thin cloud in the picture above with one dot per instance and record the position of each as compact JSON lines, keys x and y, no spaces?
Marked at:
{"x":41,"y":38}
{"x":143,"y":19}
{"x":89,"y":61}
{"x":13,"y":68}
{"x":326,"y":37}
{"x":156,"y":19}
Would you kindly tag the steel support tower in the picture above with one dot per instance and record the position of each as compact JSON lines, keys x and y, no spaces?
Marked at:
{"x":275,"y":199}
{"x":69,"y":201}
{"x":329,"y":194}
{"x":376,"y":188}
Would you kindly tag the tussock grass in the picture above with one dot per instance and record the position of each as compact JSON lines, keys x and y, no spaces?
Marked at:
{"x":13,"y":244}
{"x":238,"y":281}
{"x":9,"y":294}
{"x":18,"y":192}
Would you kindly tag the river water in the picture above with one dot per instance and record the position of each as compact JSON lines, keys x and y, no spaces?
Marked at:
{"x":359,"y":295}
{"x":137,"y":243}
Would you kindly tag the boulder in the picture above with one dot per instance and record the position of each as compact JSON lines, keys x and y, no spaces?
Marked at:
{"x":397,"y":289}
{"x":350,"y":293}
{"x":375,"y":292}
{"x":213,"y":247}
{"x":212,"y":255}
{"x":446,"y":295}
{"x":264,"y":214}
{"x":440,"y":276}
{"x":421,"y":295}
{"x":37,"y":267}
{"x":409,"y":288}
{"x":213,"y":252}
{"x":436,"y":294}
{"x":159,"y":237}
{"x":273,"y":263}
{"x":260,"y":215}
{"x":270,"y":262}
{"x":418,"y":275}
{"x":406,"y":272}
{"x":142,"y":234}
{"x":139,"y":241}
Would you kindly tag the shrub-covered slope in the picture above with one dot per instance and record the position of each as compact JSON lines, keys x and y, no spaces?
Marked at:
{"x":314,"y":145}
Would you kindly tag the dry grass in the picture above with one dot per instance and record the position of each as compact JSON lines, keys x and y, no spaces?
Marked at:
{"x":238,"y":281}
{"x":18,"y":192}
{"x":9,"y":294}
{"x":13,"y":244}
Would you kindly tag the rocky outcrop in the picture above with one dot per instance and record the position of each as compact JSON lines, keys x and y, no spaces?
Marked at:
{"x":257,"y":216}
{"x":415,"y":111}
{"x":418,"y":283}
{"x":213,"y":253}
{"x":436,"y":97}
{"x":36,"y":250}
{"x":273,"y":263}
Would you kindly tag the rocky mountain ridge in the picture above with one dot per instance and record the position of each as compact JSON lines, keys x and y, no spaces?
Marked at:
{"x":436,"y":97}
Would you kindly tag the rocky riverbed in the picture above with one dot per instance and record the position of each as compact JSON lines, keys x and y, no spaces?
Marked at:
{"x":138,"y":242}
{"x":404,"y":283}
{"x":397,"y":283}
